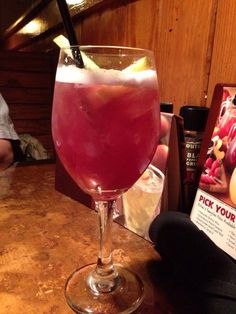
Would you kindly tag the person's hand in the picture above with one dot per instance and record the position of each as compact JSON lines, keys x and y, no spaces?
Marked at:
{"x":161,"y":154}
{"x":6,"y":154}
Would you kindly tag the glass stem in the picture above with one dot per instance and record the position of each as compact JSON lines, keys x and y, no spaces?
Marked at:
{"x":105,"y":277}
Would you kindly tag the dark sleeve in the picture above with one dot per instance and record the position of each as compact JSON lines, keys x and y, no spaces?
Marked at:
{"x":17,"y":151}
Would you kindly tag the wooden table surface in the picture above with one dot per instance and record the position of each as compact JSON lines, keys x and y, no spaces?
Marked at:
{"x":45,"y":235}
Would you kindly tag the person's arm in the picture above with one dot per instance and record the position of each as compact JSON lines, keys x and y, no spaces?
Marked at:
{"x":10,"y":150}
{"x":6,"y":154}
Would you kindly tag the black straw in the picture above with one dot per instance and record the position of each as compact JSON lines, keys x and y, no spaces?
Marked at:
{"x":65,"y":14}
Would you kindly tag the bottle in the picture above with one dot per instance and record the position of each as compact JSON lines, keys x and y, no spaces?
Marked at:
{"x":166,"y":107}
{"x":194,"y":119}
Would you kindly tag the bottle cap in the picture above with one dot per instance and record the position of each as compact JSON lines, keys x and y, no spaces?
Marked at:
{"x":166,"y":107}
{"x":195,"y":117}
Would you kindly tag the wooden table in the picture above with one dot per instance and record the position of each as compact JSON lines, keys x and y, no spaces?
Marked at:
{"x":45,"y":235}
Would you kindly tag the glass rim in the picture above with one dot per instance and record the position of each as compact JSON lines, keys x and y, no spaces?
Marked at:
{"x":109,"y":47}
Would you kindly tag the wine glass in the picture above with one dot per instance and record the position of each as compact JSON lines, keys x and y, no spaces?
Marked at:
{"x":105,"y":126}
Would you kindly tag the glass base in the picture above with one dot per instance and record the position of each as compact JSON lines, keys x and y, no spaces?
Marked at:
{"x":125,"y":298}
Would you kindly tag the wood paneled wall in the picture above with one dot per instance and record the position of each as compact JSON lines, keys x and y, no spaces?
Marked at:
{"x":179,"y":32}
{"x":194,"y":41}
{"x":26,"y":83}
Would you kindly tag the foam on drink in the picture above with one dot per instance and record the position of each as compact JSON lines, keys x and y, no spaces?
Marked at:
{"x":72,"y":74}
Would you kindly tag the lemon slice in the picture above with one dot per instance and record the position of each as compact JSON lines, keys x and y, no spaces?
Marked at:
{"x":89,"y":63}
{"x":62,"y":41}
{"x":140,"y":65}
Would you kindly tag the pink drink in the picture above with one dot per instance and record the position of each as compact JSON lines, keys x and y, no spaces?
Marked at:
{"x":105,"y":129}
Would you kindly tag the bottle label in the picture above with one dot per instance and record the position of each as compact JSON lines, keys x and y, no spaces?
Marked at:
{"x":192,"y":146}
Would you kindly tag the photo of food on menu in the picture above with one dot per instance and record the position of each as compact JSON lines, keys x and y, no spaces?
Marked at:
{"x":214,"y":208}
{"x":219,"y":174}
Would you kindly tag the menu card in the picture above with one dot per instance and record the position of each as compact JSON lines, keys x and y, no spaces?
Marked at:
{"x":214,"y":208}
